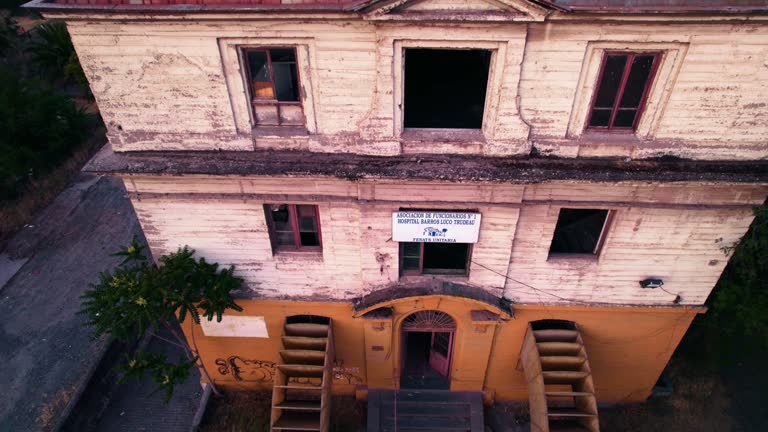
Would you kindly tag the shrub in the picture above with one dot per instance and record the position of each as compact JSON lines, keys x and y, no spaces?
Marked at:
{"x":39,"y":128}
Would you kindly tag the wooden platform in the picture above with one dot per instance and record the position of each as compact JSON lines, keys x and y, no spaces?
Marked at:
{"x":424,"y":410}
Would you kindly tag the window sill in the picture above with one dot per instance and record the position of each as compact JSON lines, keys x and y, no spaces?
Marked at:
{"x":279,"y":132}
{"x":429,"y":277}
{"x":469,"y":136}
{"x":309,"y":256}
{"x":617,"y":137}
{"x":572,"y":258}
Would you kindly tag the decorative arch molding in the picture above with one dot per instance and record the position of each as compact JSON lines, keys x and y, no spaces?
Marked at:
{"x":388,"y":297}
{"x":432,"y":320}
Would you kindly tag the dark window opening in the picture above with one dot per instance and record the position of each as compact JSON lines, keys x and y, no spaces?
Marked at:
{"x":434,"y":258}
{"x":293,"y":227}
{"x":579,"y":231}
{"x":622,"y":89}
{"x":273,"y":81}
{"x":445,"y":88}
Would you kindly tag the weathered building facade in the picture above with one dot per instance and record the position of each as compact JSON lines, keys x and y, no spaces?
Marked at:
{"x":564,"y":152}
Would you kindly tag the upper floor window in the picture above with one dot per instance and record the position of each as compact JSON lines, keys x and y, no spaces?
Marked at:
{"x":623,"y":85}
{"x":579,"y":231}
{"x":293,"y":227}
{"x":445,"y":88}
{"x":273,"y":80}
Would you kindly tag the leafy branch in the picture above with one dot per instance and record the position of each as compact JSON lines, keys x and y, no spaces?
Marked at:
{"x":139,"y":296}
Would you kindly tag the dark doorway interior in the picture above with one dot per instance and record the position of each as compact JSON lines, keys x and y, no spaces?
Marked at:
{"x":417,"y":373}
{"x":445,"y":257}
{"x":445,"y":88}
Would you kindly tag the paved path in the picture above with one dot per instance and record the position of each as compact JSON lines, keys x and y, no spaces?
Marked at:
{"x":46,"y":353}
{"x":136,"y":406}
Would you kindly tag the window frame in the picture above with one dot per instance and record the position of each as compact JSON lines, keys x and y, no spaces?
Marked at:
{"x":598,"y":249}
{"x":294,"y":222}
{"x":446,"y":130}
{"x":657,"y":58}
{"x":440,"y":272}
{"x":254,"y":101}
{"x":492,"y":93}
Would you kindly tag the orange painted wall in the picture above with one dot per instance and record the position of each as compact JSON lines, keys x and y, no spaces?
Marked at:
{"x":627,"y":347}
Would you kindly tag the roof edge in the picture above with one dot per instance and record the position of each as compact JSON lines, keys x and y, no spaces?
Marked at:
{"x":430,"y":167}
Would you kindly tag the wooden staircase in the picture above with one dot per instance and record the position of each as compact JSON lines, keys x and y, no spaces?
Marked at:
{"x":424,"y":411}
{"x":301,"y":395}
{"x":560,"y":389}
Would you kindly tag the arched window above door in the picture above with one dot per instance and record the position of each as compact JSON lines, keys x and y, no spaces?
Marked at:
{"x":429,"y":320}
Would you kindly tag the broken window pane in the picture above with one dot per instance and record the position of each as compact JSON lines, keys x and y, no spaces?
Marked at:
{"x":284,"y":69}
{"x":445,"y":88}
{"x":610,"y":81}
{"x":578,"y":231}
{"x":636,"y":82}
{"x":261,"y":82}
{"x":445,"y":256}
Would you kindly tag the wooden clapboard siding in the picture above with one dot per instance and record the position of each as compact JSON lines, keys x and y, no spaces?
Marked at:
{"x":713,"y":107}
{"x":680,"y":246}
{"x":651,"y":234}
{"x":235,"y":232}
{"x":161,"y":84}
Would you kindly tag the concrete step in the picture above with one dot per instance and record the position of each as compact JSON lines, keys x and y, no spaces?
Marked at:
{"x":559,"y":348}
{"x":556,"y":335}
{"x":304,"y":343}
{"x":426,"y":423}
{"x":306,"y":330}
{"x":306,"y":357}
{"x":301,"y":370}
{"x":564,"y":377}
{"x":562,"y":362}
{"x":425,"y":410}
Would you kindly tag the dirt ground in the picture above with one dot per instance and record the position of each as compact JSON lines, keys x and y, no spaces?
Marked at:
{"x":250,"y":411}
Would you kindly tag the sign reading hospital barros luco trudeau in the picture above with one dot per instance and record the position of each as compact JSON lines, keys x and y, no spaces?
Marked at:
{"x":435,"y":227}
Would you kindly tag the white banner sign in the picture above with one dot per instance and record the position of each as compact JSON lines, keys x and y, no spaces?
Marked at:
{"x":235,"y":326}
{"x":438,"y":227}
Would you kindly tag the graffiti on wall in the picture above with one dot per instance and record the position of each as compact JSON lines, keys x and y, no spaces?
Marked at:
{"x":263,"y":371}
{"x":346,"y":375}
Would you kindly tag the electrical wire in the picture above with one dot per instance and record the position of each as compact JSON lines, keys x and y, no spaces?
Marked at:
{"x":533,"y":287}
{"x":555,"y":295}
{"x":677,"y":296}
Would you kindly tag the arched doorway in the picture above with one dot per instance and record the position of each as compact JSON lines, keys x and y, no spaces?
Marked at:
{"x":427,"y":350}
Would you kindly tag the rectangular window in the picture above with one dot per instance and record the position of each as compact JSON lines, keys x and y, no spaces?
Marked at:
{"x":273,"y":80}
{"x":579,"y":231}
{"x":293,"y":227}
{"x":445,"y":88}
{"x":622,"y":88}
{"x":434,"y":258}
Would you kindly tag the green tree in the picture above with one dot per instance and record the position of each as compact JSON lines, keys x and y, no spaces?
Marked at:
{"x":139,"y":297}
{"x":740,"y":300}
{"x":39,"y":128}
{"x":7,"y":36}
{"x":54,"y":55}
